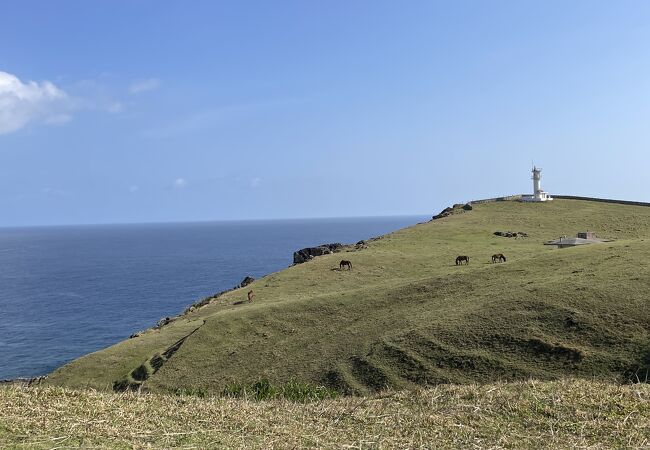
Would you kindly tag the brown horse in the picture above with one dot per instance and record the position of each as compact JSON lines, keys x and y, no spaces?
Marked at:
{"x":250,"y":296}
{"x":345,"y":263}
{"x":460,"y":259}
{"x":498,"y":257}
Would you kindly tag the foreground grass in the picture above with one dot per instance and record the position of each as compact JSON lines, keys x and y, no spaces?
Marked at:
{"x":504,"y":415}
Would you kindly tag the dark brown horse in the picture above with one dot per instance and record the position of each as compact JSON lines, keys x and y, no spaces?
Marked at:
{"x":250,"y":296}
{"x":460,"y":259}
{"x":498,"y":257}
{"x":345,"y":263}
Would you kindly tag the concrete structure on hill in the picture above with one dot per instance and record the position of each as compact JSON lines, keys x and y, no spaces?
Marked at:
{"x":538,"y":195}
{"x":583,"y":238}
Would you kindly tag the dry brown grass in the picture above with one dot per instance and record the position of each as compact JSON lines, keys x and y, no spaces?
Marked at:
{"x":561,"y":414}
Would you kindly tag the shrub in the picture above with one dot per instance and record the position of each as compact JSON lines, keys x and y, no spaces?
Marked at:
{"x":294,"y":391}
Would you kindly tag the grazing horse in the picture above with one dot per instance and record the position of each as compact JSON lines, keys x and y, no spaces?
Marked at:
{"x":345,"y":263}
{"x":498,"y":257}
{"x":460,"y":259}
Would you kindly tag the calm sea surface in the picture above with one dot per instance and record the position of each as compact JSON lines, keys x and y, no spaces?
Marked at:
{"x":68,"y":291}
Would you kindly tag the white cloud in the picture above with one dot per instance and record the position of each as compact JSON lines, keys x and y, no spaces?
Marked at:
{"x":96,"y":95}
{"x":115,"y":107}
{"x":24,"y":103}
{"x":255,"y":182}
{"x":140,"y":86}
{"x":179,"y":183}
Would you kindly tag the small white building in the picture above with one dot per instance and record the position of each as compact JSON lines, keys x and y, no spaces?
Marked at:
{"x":582,"y":238}
{"x":538,"y":195}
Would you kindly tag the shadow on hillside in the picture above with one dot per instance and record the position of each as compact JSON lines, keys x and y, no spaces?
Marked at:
{"x":640,"y":373}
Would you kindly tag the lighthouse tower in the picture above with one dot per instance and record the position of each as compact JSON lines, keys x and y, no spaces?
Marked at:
{"x":538,"y":194}
{"x":537,"y":185}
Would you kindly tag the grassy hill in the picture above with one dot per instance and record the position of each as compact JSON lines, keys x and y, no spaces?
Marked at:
{"x":406,"y":315}
{"x":564,"y":414}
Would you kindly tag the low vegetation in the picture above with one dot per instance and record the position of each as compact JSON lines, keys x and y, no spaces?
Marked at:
{"x":562,"y":414}
{"x":466,"y":341}
{"x":406,"y":315}
{"x":292,"y":390}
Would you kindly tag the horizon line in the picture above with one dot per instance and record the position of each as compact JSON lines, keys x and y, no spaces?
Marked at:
{"x":206,"y":221}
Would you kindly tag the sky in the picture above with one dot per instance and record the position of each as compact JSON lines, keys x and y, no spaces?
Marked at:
{"x":149,"y":111}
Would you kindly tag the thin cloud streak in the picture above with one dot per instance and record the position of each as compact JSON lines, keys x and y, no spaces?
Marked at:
{"x":210,"y":118}
{"x":140,"y":86}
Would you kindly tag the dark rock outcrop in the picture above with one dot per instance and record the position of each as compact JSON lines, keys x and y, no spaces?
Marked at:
{"x":510,"y":234}
{"x":246,"y":281}
{"x":444,"y":213}
{"x":24,"y":382}
{"x":308,"y":253}
{"x":457,"y":208}
{"x":164,"y":321}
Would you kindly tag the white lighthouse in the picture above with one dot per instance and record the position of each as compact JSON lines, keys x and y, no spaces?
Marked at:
{"x":538,"y":194}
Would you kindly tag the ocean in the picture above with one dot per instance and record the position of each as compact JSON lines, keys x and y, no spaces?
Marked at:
{"x":71,"y":290}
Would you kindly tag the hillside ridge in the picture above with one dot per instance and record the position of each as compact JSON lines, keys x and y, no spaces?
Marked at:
{"x":564,"y":197}
{"x":406,"y":315}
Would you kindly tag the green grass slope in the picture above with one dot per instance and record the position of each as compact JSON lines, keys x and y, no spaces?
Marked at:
{"x":406,"y":315}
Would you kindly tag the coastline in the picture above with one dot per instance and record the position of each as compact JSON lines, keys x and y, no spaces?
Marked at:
{"x":346,"y":230}
{"x":24,"y":382}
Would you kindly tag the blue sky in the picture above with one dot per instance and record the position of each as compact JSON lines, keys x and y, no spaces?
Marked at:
{"x":140,"y":111}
